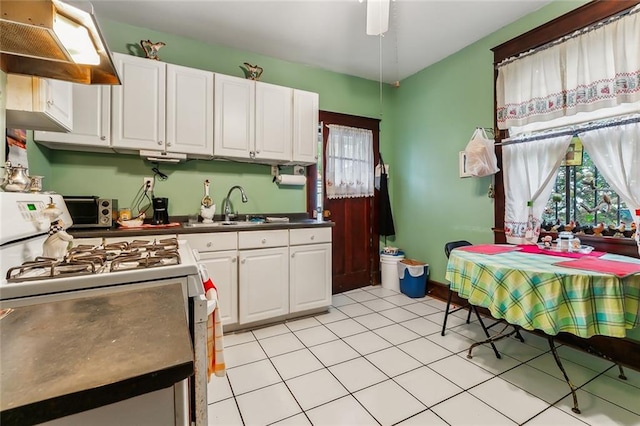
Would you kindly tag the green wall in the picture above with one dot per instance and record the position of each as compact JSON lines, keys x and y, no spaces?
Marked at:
{"x":120,"y":176}
{"x":436,"y":113}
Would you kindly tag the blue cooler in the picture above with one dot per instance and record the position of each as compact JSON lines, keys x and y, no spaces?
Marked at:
{"x":413,"y":277}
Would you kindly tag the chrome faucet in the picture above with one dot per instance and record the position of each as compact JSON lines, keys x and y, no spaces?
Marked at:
{"x":226,"y":203}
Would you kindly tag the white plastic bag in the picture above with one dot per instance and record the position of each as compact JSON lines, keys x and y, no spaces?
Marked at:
{"x":481,"y":157}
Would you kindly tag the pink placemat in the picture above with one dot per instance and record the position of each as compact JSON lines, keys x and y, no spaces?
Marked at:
{"x":488,"y":249}
{"x":528,"y":248}
{"x":621,"y":269}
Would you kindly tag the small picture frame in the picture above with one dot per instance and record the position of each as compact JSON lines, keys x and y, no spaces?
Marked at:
{"x":462,"y":165}
{"x":574,"y":153}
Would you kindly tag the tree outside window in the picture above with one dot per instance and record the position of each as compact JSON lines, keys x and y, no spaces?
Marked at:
{"x":584,"y":199}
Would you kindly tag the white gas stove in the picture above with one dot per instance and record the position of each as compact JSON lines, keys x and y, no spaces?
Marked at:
{"x":24,"y":228}
{"x":85,"y":271}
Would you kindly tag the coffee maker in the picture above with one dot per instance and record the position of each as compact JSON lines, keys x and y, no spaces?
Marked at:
{"x":160,"y":211}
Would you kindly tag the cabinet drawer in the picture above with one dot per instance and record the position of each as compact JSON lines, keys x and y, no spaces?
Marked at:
{"x":214,"y":241}
{"x":309,"y":236}
{"x":263,"y":239}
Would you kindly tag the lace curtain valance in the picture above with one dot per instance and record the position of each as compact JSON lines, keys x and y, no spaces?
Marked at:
{"x":596,"y":69}
{"x":350,"y":167}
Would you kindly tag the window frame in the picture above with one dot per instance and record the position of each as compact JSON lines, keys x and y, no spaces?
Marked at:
{"x":574,"y":20}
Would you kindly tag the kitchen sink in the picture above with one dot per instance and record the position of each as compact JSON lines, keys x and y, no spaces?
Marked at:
{"x":218,"y":224}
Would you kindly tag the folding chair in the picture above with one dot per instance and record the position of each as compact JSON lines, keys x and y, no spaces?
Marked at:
{"x":447,"y":250}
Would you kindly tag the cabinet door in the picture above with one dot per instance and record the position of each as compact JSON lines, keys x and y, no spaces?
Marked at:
{"x":234,"y":114}
{"x":223,"y":271}
{"x":91,"y":119}
{"x":310,"y":277}
{"x":189,"y":111}
{"x":305,"y":127}
{"x":139,"y":104}
{"x":273,"y":122}
{"x":264,"y":284}
{"x":59,"y":101}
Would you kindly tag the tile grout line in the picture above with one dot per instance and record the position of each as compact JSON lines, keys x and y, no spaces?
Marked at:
{"x":397,"y":346}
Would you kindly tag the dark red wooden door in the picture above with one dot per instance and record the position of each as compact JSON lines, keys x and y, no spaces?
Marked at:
{"x":355,"y":244}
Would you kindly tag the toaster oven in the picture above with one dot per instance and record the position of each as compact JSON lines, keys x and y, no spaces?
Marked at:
{"x":92,"y":211}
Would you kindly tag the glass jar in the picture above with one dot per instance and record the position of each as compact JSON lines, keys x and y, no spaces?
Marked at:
{"x":565,"y":241}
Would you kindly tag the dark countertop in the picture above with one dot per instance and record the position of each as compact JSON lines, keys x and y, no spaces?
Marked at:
{"x":64,"y":357}
{"x":183,"y":228}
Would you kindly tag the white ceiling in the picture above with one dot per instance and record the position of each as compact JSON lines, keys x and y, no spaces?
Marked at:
{"x":329,"y":34}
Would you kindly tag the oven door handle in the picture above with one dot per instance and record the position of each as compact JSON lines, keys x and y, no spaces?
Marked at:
{"x":204,"y":308}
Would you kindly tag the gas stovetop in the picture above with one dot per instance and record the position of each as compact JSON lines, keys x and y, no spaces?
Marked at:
{"x":105,"y":258}
{"x":87,"y":267}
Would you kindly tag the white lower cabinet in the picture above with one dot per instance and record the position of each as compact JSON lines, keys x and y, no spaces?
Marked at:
{"x":264,"y":284}
{"x":310,"y":277}
{"x":309,"y":269}
{"x":223,"y":271}
{"x":218,"y":252}
{"x":263,"y":275}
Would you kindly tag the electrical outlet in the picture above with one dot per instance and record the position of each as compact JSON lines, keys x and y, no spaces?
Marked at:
{"x":147,"y":184}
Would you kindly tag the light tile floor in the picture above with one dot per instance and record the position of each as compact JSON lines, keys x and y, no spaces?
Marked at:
{"x":377,"y":358}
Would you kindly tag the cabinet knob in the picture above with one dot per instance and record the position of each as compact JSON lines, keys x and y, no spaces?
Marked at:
{"x":257,"y":152}
{"x":168,"y":143}
{"x":50,"y":102}
{"x":313,"y":236}
{"x":293,"y":255}
{"x":243,"y":261}
{"x":233,"y":260}
{"x":103,"y":138}
{"x":159,"y":142}
{"x":209,"y":244}
{"x":264,"y":241}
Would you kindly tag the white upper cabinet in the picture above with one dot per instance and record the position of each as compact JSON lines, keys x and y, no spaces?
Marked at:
{"x":38,"y":103}
{"x":305,"y":127}
{"x":91,"y":121}
{"x":139,"y":104}
{"x":59,"y":101}
{"x":273,"y":122}
{"x":162,"y":107}
{"x":234,"y":117}
{"x":189,"y":111}
{"x":258,"y":122}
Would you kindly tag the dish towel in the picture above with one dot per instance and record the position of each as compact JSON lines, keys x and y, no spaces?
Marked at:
{"x":215,"y":344}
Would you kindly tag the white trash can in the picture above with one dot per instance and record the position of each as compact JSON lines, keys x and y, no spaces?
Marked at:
{"x":389,"y":270}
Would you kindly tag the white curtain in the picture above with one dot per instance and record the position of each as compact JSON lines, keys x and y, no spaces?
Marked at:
{"x":615,"y":151}
{"x":530,"y":170}
{"x":350,"y":166}
{"x":599,"y":68}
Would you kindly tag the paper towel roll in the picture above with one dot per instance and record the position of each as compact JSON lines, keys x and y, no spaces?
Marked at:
{"x":294,"y":180}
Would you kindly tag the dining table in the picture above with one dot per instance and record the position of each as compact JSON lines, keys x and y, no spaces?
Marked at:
{"x":585,"y":293}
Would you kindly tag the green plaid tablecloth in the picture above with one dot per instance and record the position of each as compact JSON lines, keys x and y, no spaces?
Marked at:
{"x":528,"y":290}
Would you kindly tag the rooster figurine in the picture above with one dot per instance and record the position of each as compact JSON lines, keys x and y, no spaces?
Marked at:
{"x":151,"y":49}
{"x":597,"y":230}
{"x":252,"y":72}
{"x":619,"y":230}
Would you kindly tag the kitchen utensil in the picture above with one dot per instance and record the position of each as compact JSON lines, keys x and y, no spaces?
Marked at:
{"x":207,"y":201}
{"x":160,"y":211}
